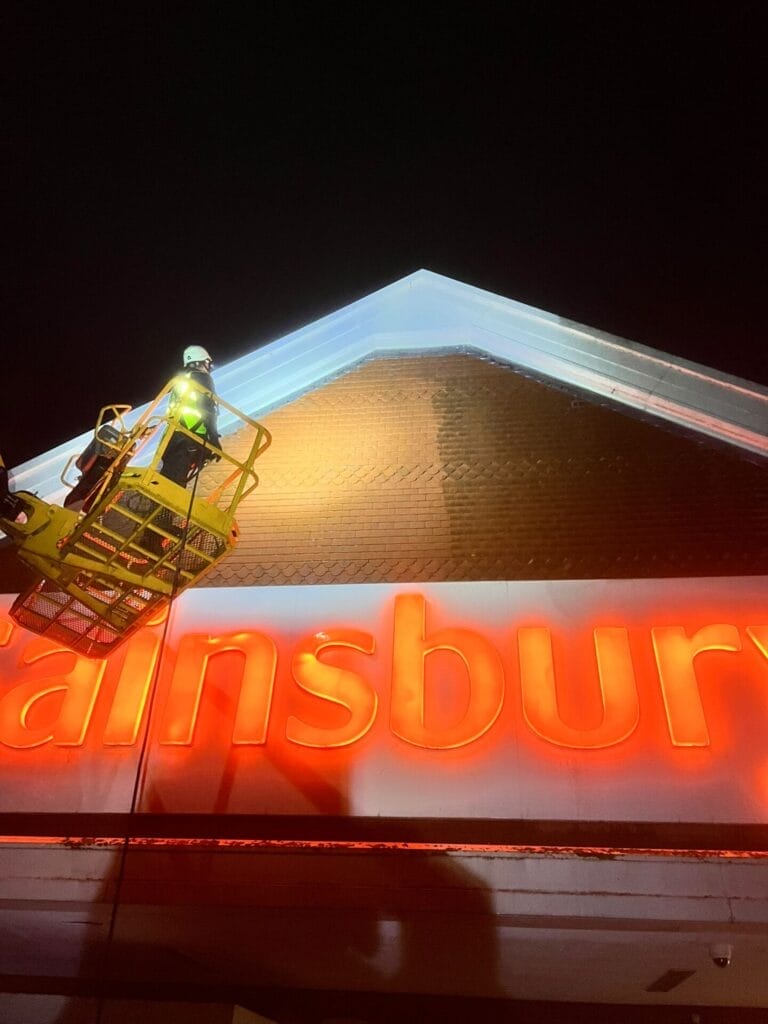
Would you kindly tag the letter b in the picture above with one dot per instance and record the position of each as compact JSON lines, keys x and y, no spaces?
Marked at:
{"x":411,"y":648}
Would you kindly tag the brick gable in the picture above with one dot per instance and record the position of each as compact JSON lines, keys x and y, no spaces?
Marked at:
{"x":453,"y":467}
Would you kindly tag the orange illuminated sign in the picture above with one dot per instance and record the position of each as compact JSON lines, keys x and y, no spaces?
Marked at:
{"x":51,"y":696}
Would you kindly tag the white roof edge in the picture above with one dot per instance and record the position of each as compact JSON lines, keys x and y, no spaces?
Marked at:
{"x":425,"y":311}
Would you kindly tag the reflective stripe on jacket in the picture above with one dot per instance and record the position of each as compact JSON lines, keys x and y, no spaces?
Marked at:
{"x":194,"y":410}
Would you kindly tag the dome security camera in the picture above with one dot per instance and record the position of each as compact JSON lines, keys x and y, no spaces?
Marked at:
{"x":721,"y":953}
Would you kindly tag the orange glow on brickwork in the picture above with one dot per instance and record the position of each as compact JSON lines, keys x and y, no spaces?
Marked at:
{"x":411,"y":648}
{"x":616,"y":678}
{"x":675,"y":652}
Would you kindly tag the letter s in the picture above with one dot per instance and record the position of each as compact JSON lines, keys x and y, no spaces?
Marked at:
{"x":338,"y":685}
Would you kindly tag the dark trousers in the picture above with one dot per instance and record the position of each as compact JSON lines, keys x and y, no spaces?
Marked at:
{"x":183,"y":459}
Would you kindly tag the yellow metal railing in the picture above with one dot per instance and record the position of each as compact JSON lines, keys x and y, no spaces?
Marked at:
{"x":144,"y":538}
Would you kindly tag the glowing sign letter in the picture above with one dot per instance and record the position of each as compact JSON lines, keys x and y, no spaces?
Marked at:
{"x":682,"y":701}
{"x":759,"y":636}
{"x":80,"y":687}
{"x":618,"y":689}
{"x":130,"y":697}
{"x":485,"y":674}
{"x":338,"y":685}
{"x":6,"y":629}
{"x":256,"y":685}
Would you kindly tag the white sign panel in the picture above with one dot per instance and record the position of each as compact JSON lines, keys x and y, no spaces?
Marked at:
{"x":591,"y":700}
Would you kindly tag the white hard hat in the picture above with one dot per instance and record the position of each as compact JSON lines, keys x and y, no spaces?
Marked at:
{"x":196,"y":354}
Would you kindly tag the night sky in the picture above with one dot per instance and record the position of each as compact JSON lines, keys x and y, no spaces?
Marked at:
{"x":177,"y":174}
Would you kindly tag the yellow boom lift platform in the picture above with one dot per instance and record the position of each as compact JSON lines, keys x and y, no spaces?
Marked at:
{"x":139,"y":540}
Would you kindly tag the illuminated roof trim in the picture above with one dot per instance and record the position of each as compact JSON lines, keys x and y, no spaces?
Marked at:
{"x":426,"y":312}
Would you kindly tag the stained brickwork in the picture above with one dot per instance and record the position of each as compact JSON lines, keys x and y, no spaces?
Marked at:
{"x":455,"y":468}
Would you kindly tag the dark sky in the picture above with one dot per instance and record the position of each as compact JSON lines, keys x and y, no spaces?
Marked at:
{"x":174,"y":173}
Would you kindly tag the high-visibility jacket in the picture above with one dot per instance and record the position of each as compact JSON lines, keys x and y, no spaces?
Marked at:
{"x":194,"y":410}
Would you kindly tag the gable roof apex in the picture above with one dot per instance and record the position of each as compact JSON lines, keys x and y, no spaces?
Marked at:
{"x":426,"y":311}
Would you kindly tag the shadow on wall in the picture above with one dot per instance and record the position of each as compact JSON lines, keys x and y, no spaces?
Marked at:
{"x":233,"y":918}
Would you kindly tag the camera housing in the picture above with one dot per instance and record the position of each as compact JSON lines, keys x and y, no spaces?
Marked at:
{"x":720,"y":953}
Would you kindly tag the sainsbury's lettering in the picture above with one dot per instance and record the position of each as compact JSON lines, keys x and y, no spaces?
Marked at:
{"x":50,"y":694}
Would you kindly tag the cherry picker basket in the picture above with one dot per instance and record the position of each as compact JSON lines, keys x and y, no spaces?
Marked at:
{"x":143,"y":540}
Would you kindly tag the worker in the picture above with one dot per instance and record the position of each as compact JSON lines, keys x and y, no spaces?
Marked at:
{"x":185,"y":456}
{"x":100,"y":456}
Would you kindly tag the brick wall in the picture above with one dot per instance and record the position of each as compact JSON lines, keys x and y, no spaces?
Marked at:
{"x":455,"y":468}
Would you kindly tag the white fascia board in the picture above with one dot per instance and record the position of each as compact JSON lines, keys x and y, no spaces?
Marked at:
{"x":426,"y":312}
